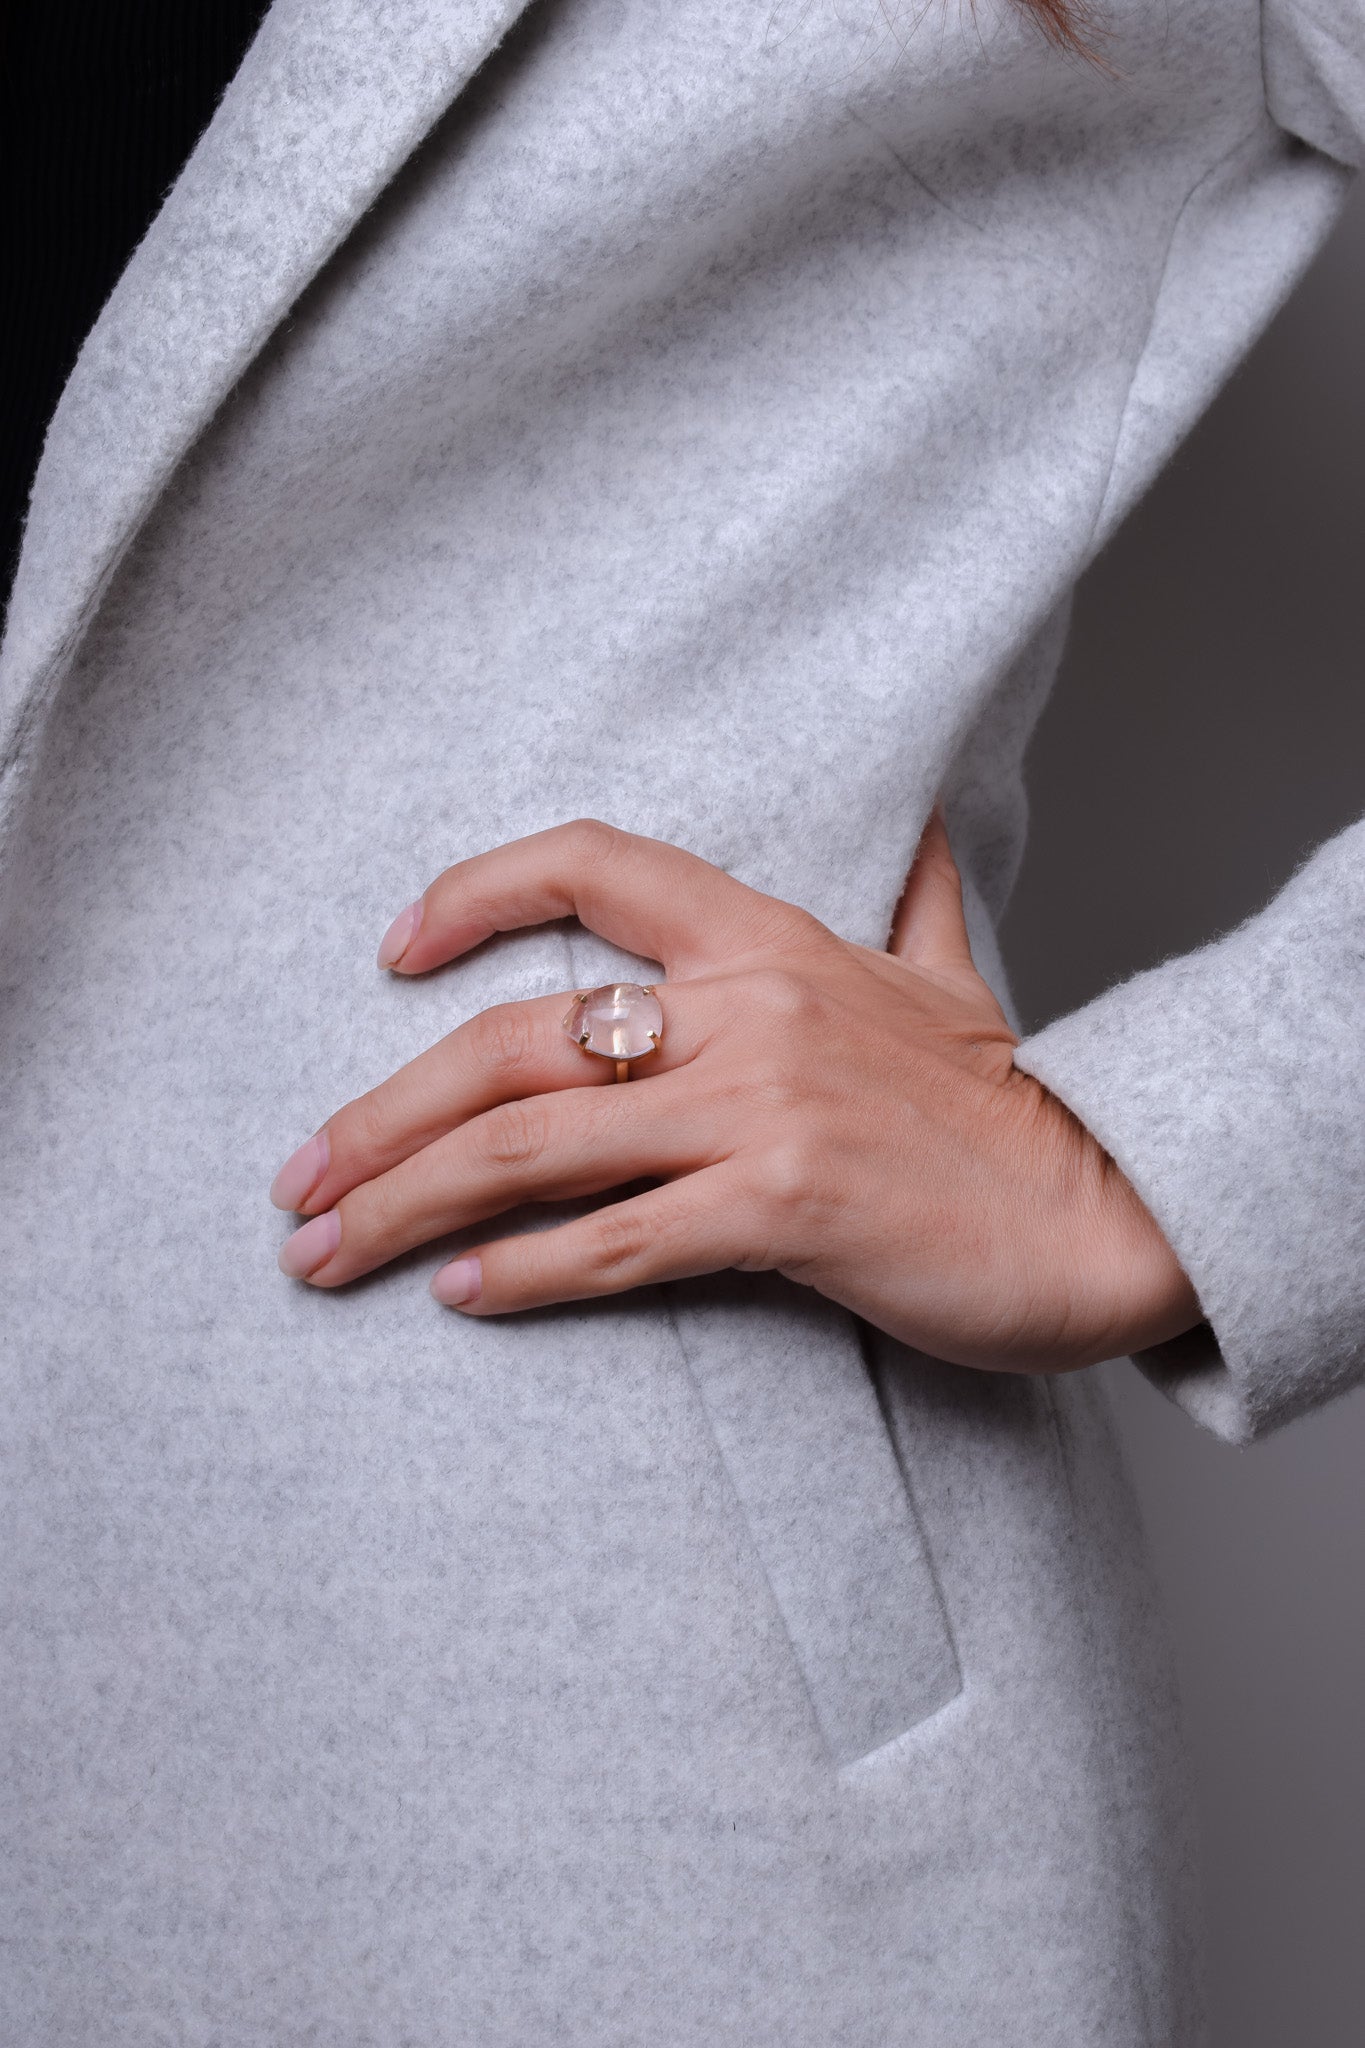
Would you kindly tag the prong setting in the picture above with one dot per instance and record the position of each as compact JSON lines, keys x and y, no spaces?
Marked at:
{"x":621,"y":1021}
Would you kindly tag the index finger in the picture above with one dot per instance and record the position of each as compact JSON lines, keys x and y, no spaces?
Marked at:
{"x":655,"y":900}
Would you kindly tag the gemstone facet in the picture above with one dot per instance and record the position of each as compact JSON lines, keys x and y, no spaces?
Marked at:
{"x":621,"y":1020}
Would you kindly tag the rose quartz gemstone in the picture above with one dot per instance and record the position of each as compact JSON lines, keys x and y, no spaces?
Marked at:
{"x":621,"y":1021}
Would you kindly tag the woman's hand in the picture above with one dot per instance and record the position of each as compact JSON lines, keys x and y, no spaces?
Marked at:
{"x":851,"y":1119}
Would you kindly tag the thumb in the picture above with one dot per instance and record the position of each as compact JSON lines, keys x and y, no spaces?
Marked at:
{"x":929,"y":929}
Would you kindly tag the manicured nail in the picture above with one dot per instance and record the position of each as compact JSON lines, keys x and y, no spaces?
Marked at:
{"x":311,"y":1247}
{"x":300,"y":1174}
{"x":400,"y":935}
{"x":457,"y":1284}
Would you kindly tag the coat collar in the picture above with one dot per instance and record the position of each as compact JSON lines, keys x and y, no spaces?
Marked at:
{"x":330,"y":99}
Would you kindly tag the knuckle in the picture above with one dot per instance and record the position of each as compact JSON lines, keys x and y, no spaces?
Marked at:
{"x":620,"y":1240}
{"x":506,"y":1039}
{"x":591,"y":842}
{"x":510,"y":1139}
{"x":784,"y":998}
{"x":371,"y":1220}
{"x":361,"y":1131}
{"x":790,"y":1174}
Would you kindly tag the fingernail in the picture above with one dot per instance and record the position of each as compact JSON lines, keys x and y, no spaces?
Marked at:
{"x":400,"y":935}
{"x":311,"y":1247}
{"x":300,"y":1174}
{"x":457,"y":1284}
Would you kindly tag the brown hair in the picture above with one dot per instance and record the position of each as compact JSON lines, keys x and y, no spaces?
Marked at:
{"x":1066,"y":23}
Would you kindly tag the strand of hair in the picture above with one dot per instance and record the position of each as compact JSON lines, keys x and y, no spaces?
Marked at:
{"x":1067,"y":24}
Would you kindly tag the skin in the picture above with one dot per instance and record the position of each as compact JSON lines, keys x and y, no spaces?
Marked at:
{"x":851,"y":1119}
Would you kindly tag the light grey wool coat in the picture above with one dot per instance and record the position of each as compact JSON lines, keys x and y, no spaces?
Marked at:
{"x":694,"y":415}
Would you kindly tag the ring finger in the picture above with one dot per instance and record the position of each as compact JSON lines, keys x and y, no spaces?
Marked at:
{"x":506,"y":1054}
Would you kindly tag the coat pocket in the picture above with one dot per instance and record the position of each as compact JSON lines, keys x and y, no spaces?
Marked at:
{"x":783,"y":1379}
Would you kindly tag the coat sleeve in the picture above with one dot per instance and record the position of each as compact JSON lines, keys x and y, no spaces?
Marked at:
{"x":1230,"y":1085}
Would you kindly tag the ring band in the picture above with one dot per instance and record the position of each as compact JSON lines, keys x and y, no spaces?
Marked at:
{"x":621,"y":1021}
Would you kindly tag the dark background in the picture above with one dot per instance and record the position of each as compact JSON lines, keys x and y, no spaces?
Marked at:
{"x":1208,"y":729}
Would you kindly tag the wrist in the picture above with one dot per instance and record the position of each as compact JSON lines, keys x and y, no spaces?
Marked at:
{"x":1152,"y":1298}
{"x":1120,"y":1286}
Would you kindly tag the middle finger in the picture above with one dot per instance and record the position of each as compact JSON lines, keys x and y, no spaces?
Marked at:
{"x":548,"y":1148}
{"x":505,"y":1054}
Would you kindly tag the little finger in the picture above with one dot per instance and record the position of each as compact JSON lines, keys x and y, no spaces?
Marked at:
{"x":691,"y":1226}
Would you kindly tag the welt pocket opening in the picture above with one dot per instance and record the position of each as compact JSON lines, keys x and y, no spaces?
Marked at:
{"x":786,"y":1386}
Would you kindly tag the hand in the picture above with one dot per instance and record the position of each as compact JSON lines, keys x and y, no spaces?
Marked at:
{"x":849,"y":1118}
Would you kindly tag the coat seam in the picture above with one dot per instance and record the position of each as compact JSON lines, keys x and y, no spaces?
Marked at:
{"x":1144,"y":347}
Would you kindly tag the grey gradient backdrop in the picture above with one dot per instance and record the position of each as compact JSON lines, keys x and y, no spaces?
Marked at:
{"x":1207,"y":730}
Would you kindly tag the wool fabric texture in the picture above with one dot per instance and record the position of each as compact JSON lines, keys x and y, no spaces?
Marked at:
{"x":697,"y":417}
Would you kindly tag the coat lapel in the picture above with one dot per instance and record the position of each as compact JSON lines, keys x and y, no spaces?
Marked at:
{"x":331,"y":98}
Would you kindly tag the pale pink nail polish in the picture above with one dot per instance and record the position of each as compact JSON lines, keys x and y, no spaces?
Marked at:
{"x":300,"y":1174}
{"x":311,"y":1247}
{"x":400,"y":935}
{"x":459,"y":1283}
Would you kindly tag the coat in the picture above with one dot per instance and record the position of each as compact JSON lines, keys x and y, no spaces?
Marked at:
{"x":696,"y":417}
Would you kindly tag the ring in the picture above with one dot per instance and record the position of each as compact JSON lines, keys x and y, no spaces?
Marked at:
{"x":620,"y":1021}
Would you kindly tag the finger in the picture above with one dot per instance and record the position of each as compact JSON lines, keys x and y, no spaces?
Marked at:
{"x":550,"y":1148}
{"x":930,"y":926}
{"x":653,"y":899}
{"x":675,"y":1232}
{"x":508,"y":1053}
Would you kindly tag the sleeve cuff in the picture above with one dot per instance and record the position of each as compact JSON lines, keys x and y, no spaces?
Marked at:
{"x":1229,"y":1086}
